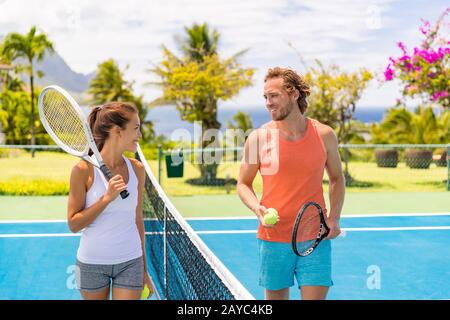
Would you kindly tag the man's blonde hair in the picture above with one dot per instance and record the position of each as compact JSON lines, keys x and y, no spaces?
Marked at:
{"x":291,"y":81}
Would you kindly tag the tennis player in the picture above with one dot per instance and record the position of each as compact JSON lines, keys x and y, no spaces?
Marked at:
{"x":111,"y":254}
{"x":291,"y":153}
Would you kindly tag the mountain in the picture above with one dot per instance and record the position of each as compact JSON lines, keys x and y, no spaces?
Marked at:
{"x":57,"y":71}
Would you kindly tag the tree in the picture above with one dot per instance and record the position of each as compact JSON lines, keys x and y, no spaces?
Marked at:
{"x":419,"y":127}
{"x":199,"y":42}
{"x":425,"y":71}
{"x":31,"y":47}
{"x":196,"y":82}
{"x":242,"y":121}
{"x":241,"y":127}
{"x":109,"y":84}
{"x":334,"y":94}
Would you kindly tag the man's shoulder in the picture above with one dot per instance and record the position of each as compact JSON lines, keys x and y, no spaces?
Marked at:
{"x":257,"y":132}
{"x":327,"y":134}
{"x":267,"y":125}
{"x":322,"y":128}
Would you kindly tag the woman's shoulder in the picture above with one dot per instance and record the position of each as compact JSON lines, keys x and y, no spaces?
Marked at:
{"x":82,"y":168}
{"x":137,"y":166}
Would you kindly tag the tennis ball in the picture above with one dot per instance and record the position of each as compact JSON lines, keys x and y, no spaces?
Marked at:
{"x":271,"y":216}
{"x":145,"y":293}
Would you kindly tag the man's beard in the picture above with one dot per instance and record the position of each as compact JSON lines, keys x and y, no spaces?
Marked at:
{"x":283,"y":113}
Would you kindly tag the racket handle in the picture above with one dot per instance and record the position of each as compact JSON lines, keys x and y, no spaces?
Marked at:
{"x":124,"y":194}
{"x":108,"y":175}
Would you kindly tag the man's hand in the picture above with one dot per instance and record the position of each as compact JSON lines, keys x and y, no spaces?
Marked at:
{"x":260,"y":211}
{"x":335,"y":229}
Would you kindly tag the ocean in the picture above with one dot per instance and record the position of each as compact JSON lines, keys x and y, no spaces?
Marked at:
{"x":167,"y":119}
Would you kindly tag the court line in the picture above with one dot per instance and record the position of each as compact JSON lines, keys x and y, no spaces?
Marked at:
{"x":32,"y":221}
{"x":343,"y":216}
{"x":254,"y":218}
{"x":342,"y":229}
{"x":38,"y":235}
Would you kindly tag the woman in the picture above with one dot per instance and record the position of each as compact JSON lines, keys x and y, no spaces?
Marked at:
{"x":111,"y":254}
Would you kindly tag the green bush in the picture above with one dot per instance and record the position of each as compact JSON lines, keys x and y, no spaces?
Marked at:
{"x":11,"y":153}
{"x":39,"y":187}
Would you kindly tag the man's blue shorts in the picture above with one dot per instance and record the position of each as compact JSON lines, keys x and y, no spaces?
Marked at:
{"x":278,"y":265}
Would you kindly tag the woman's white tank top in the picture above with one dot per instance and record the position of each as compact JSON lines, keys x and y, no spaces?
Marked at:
{"x":113,"y":236}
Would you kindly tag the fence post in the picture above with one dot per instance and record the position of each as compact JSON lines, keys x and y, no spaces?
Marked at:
{"x":159,"y":163}
{"x":448,"y":167}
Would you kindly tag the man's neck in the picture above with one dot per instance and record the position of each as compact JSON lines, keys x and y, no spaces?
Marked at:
{"x":294,"y":125}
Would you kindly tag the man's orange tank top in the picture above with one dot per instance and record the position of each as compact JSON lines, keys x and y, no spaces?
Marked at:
{"x":292,"y":174}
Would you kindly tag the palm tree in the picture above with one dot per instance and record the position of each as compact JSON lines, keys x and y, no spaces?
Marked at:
{"x":196,"y":81}
{"x":403,"y":126}
{"x":30,"y":47}
{"x":109,"y":84}
{"x":241,"y":121}
{"x":200,"y":41}
{"x":419,"y":127}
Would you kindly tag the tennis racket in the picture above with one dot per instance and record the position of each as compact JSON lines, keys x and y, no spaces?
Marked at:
{"x":65,"y":122}
{"x":309,"y":229}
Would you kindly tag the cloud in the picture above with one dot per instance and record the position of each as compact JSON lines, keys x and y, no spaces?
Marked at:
{"x":88,"y":32}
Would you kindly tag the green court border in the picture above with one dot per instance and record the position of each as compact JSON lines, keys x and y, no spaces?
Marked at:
{"x":54,"y":207}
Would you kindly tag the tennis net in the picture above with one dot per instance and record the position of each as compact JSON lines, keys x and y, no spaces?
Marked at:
{"x":184,"y":267}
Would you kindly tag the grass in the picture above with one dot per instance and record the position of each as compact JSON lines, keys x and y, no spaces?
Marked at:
{"x":49,"y":172}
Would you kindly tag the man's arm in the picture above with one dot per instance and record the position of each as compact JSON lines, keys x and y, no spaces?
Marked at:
{"x":337,"y":181}
{"x":247,"y":172}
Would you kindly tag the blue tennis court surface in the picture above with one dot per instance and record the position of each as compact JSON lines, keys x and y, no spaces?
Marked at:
{"x":378,"y":257}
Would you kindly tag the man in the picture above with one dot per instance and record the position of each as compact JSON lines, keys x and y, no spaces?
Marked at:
{"x":291,"y":153}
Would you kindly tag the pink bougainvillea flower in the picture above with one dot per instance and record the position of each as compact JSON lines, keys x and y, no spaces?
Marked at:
{"x":388,"y":73}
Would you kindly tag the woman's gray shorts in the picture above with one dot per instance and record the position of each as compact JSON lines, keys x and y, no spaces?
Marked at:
{"x":96,"y":277}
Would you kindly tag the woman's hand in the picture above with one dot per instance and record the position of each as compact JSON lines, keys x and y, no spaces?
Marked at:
{"x":148,"y":283}
{"x":115,"y":186}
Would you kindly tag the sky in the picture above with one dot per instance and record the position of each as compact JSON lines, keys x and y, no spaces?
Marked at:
{"x":351,"y":34}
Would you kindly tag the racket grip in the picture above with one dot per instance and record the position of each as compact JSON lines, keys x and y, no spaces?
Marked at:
{"x":108,"y":175}
{"x":124,"y":194}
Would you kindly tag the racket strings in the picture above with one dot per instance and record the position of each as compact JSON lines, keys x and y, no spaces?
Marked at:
{"x":309,"y":228}
{"x":64,"y":121}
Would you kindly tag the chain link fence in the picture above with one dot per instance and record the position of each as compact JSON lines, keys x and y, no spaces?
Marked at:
{"x":402,"y":167}
{"x":188,"y":172}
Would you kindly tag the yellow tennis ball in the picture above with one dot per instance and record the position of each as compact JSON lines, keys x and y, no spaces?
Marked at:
{"x":145,"y":293}
{"x":271,"y":216}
